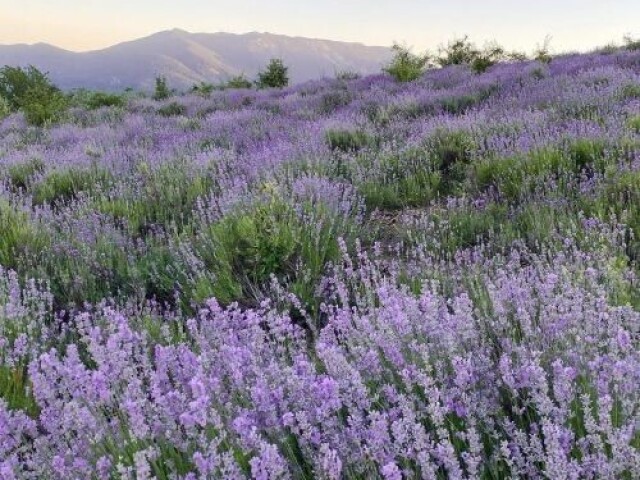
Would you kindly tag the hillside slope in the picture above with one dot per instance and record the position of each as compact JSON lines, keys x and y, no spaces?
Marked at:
{"x":186,"y":58}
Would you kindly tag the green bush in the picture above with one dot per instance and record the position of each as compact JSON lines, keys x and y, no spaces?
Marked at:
{"x":65,"y":184}
{"x":405,"y":65}
{"x":43,"y":105}
{"x":161,"y":91}
{"x":620,"y":195}
{"x":167,"y":199}
{"x":97,"y":100}
{"x":542,"y":54}
{"x":5,"y":109}
{"x":468,"y":227}
{"x":172,"y":109}
{"x":487,"y":58}
{"x":14,"y":227}
{"x":587,"y":155}
{"x":459,"y":51}
{"x":450,"y":153}
{"x":239,"y":82}
{"x":348,"y":140}
{"x":404,"y":179}
{"x":274,"y":76}
{"x":16,"y":81}
{"x":30,"y":90}
{"x":458,"y":104}
{"x":631,"y":43}
{"x":15,"y":388}
{"x":504,"y":174}
{"x":333,"y":100}
{"x":634,"y":123}
{"x":631,"y":91}
{"x":275,"y":238}
{"x":20,"y":174}
{"x":203,"y":89}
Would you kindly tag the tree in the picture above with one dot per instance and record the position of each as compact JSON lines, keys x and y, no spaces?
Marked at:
{"x":458,"y":52}
{"x":274,"y":76}
{"x":30,"y":90}
{"x":462,"y":51}
{"x":488,"y":57}
{"x":162,"y":91}
{"x":405,"y":65}
{"x":16,"y":81}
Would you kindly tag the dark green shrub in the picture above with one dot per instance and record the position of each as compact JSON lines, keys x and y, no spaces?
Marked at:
{"x":468,"y":226}
{"x":487,"y":58}
{"x":15,"y":388}
{"x":30,"y":90}
{"x":203,"y":89}
{"x":20,"y":173}
{"x":631,"y":90}
{"x":172,"y":109}
{"x":608,"y":49}
{"x":332,"y":101}
{"x":451,"y":153}
{"x":5,"y":109}
{"x":634,"y":123}
{"x":459,"y":51}
{"x":404,"y":179}
{"x":43,"y":105}
{"x":245,"y":248}
{"x":503,"y":174}
{"x":631,"y":43}
{"x":161,"y":91}
{"x":240,"y":82}
{"x":274,"y":76}
{"x":65,"y":185}
{"x":166,"y":199}
{"x":542,"y":54}
{"x":97,"y":100}
{"x":405,"y":65}
{"x":587,"y":155}
{"x":16,"y":81}
{"x":517,"y":56}
{"x":348,"y":140}
{"x":620,"y":195}
{"x":15,"y":231}
{"x":458,"y":104}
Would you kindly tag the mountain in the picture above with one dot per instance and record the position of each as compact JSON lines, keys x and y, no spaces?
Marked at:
{"x":187,"y":58}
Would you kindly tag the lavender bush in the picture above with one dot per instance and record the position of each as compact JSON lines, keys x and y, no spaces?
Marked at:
{"x":348,"y":278}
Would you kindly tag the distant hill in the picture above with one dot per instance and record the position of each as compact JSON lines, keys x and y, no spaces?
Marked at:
{"x":187,"y":58}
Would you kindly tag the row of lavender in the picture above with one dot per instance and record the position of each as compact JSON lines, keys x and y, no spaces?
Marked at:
{"x":425,"y":280}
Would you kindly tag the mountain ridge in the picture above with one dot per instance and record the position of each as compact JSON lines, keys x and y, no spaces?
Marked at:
{"x":186,"y":58}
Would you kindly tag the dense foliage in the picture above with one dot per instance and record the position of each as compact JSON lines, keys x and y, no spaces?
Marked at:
{"x":275,"y":75}
{"x":30,"y":90}
{"x":348,"y":278}
{"x":405,"y":65}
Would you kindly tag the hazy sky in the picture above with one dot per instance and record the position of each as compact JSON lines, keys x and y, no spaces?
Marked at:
{"x":517,"y":24}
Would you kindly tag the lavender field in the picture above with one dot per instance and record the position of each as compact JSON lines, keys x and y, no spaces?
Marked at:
{"x":351,"y":278}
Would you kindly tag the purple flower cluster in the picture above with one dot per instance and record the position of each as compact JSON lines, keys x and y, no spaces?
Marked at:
{"x":400,"y":385}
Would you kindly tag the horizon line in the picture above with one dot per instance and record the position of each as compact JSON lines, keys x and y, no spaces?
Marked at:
{"x":182,"y":30}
